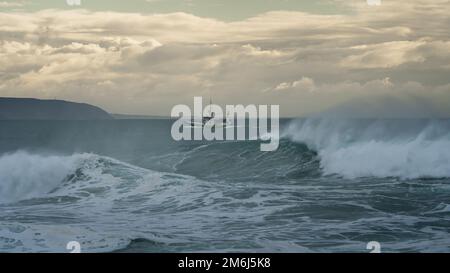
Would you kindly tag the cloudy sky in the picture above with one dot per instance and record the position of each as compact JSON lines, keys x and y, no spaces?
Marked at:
{"x":144,"y":56}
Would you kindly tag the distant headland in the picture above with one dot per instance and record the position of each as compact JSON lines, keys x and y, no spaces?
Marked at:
{"x":36,"y":109}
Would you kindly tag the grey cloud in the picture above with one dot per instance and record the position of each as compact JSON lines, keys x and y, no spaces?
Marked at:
{"x":144,"y":64}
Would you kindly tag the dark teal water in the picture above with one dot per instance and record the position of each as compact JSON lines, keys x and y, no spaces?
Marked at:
{"x":125,"y":185}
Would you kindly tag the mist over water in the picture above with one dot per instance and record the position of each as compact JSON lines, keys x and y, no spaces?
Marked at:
{"x":125,"y":185}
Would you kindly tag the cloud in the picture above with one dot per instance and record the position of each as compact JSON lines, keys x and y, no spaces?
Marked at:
{"x":5,"y":4}
{"x":304,"y":84}
{"x":146,"y":63}
{"x":384,"y":55}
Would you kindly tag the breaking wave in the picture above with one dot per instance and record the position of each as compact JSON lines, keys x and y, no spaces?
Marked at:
{"x":24,"y":175}
{"x":406,"y":149}
{"x":242,"y":194}
{"x":81,"y":197}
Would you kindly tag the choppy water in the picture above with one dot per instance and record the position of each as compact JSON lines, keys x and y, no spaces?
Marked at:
{"x":123,"y":185}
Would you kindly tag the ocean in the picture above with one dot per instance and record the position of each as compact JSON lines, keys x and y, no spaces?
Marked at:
{"x":125,"y":186}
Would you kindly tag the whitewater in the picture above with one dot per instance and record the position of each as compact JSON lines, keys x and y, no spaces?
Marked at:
{"x":332,"y":186}
{"x":377,"y":148}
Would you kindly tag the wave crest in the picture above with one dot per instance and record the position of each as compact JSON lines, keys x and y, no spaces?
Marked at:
{"x":377,"y":148}
{"x":24,"y":175}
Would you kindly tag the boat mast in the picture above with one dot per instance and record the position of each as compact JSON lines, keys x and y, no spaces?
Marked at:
{"x":210,"y":103}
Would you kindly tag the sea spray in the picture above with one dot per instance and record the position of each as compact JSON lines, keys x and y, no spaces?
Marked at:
{"x":24,"y":175}
{"x":374,"y":148}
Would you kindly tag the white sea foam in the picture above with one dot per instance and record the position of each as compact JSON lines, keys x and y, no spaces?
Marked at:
{"x":377,"y":148}
{"x":82,"y":186}
{"x":24,"y":175}
{"x":99,"y":201}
